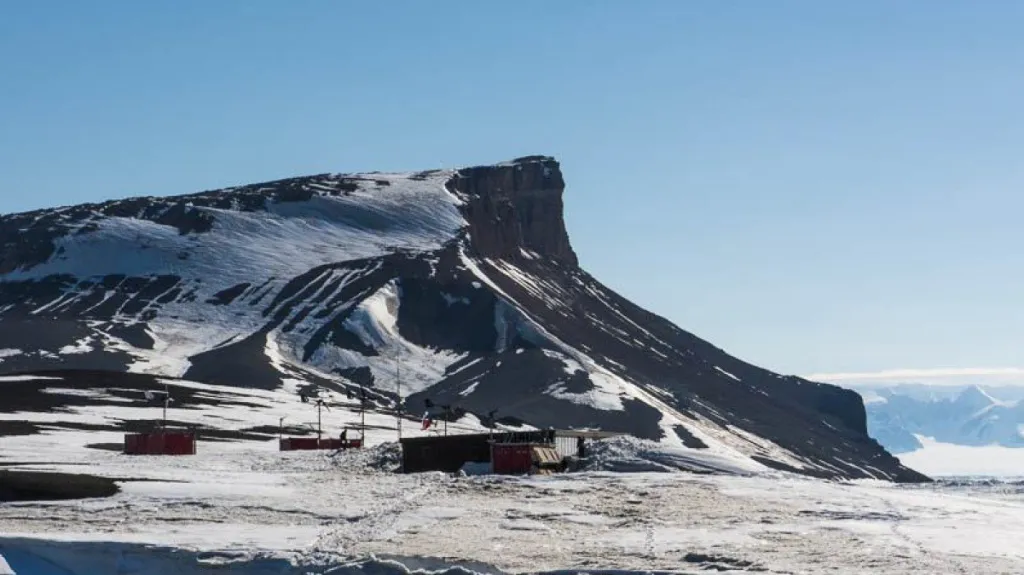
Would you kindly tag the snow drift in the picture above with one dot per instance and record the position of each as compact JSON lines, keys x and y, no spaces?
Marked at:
{"x":626,"y":454}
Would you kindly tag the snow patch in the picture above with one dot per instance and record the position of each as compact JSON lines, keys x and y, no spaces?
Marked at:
{"x":629,"y":454}
{"x":375,"y":322}
{"x":95,"y":394}
{"x":607,"y":390}
{"x":82,"y":346}
{"x":465,"y":366}
{"x":594,"y":398}
{"x":5,"y":378}
{"x":726,"y":373}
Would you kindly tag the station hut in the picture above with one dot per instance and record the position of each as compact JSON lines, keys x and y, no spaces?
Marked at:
{"x":506,"y":452}
{"x":161,"y":439}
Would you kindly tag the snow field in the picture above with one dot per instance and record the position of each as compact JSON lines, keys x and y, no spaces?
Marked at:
{"x":305,"y":506}
{"x":265,"y":250}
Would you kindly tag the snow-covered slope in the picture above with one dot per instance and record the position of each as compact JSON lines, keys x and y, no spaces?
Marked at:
{"x":458,"y":287}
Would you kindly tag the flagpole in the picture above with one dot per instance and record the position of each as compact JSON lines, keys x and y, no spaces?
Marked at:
{"x":319,"y":429}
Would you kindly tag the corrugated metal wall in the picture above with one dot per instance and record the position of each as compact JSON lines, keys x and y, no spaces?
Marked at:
{"x":441,"y":453}
{"x":311,"y":443}
{"x":566,"y":446}
{"x":444,"y":453}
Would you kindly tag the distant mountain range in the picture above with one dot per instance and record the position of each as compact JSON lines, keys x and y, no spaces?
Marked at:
{"x":971,"y":416}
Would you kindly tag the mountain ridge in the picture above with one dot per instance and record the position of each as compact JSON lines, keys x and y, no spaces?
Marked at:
{"x":466,"y":278}
{"x":971,"y":417}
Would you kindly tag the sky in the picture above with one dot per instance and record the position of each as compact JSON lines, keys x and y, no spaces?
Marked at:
{"x":821,"y":188}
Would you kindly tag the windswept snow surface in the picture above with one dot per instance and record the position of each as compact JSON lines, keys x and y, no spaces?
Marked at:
{"x":286,"y":240}
{"x":259,"y":511}
{"x":264,"y":250}
{"x":244,"y":507}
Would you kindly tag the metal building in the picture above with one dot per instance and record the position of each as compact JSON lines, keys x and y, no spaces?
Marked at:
{"x":160,"y":443}
{"x":450,"y":453}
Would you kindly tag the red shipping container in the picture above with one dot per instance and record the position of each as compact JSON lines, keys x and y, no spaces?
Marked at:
{"x":166,"y":443}
{"x":511,"y":458}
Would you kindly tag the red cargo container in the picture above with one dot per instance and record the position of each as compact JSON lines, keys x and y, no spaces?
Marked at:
{"x":312,"y":443}
{"x":160,"y":443}
{"x":511,"y":458}
{"x":525,"y":458}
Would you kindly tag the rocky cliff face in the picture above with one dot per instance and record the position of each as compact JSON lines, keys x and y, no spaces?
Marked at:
{"x":515,"y":207}
{"x":463,"y":281}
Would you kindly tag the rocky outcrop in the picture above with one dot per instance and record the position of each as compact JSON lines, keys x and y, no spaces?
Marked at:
{"x":514,"y":207}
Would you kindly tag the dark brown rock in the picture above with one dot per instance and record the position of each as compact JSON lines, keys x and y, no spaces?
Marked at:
{"x":516,"y":206}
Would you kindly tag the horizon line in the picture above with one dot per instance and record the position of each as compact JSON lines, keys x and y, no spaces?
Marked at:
{"x":904,"y":374}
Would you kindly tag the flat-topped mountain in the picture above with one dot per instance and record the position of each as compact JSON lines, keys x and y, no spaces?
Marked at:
{"x":463,"y":281}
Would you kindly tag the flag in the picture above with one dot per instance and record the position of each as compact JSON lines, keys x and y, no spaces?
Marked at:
{"x":426,"y":420}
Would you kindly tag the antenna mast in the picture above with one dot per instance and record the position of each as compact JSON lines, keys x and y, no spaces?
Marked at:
{"x":167,"y":399}
{"x":319,"y":426}
{"x":362,"y":414}
{"x":398,"y":385}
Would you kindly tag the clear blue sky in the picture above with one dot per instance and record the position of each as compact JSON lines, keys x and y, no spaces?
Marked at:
{"x":814,"y":186}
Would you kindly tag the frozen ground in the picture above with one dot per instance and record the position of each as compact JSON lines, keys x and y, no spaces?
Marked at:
{"x":244,"y":508}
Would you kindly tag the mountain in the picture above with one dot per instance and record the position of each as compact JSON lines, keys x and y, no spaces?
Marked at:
{"x":970,"y":417}
{"x":464,"y":282}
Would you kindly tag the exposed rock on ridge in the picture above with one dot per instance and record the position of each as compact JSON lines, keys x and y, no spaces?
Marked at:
{"x":516,"y":206}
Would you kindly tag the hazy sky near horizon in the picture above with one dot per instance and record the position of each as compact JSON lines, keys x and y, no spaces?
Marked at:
{"x":817,"y":187}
